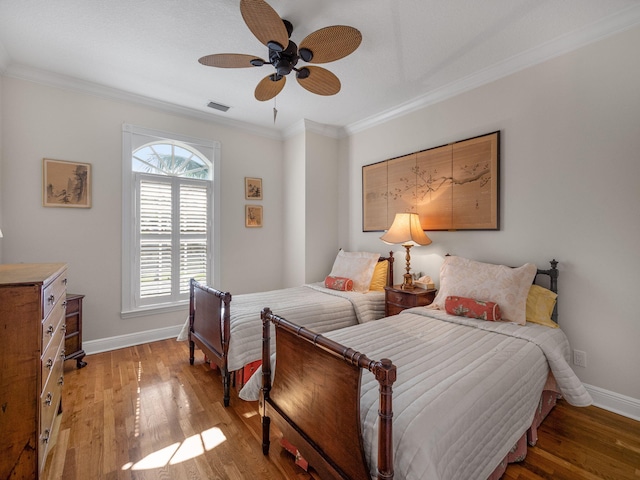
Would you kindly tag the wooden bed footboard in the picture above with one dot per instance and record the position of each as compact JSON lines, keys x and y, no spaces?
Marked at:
{"x":209,"y":327}
{"x":315,"y":400}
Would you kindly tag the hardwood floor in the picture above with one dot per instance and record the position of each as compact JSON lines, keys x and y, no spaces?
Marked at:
{"x":144,"y":413}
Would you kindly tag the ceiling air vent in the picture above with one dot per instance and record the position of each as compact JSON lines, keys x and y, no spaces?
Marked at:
{"x":218,"y":106}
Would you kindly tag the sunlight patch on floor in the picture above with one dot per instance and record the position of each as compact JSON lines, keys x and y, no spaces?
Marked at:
{"x":179,"y":452}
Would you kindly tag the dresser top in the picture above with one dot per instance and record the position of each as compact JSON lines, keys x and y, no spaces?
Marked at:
{"x":32,"y":273}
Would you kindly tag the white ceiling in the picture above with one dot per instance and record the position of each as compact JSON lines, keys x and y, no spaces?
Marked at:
{"x":413,"y":52}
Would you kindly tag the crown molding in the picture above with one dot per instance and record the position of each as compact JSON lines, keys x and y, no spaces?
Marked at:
{"x":611,"y":25}
{"x":306,"y":125}
{"x":35,"y":75}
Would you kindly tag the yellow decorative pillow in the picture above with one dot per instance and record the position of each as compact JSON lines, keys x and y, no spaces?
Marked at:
{"x":540,"y":303}
{"x":379,"y":279}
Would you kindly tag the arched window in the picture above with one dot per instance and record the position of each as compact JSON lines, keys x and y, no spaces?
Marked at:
{"x":170,"y":210}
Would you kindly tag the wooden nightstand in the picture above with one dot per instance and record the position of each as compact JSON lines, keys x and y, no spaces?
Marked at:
{"x":73,"y":338}
{"x":397,"y":300}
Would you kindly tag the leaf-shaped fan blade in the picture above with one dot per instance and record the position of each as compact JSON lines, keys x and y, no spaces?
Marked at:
{"x":331,"y":43}
{"x":228,"y":60}
{"x":264,"y":22}
{"x":267,"y":88}
{"x":320,"y":81}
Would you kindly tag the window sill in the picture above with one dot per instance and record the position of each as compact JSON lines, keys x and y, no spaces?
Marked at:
{"x":155,"y":309}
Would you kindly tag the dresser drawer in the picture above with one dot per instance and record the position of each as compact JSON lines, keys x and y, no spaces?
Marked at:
{"x":49,"y":360}
{"x":53,"y":293}
{"x":52,"y":324}
{"x":50,"y":399}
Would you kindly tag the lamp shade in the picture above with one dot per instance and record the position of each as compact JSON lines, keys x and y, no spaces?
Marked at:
{"x":406,"y":228}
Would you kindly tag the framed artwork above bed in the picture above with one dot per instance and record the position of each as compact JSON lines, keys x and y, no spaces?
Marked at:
{"x":451,"y":187}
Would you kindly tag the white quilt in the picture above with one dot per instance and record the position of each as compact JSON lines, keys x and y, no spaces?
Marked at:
{"x":464,"y":395}
{"x":311,"y":306}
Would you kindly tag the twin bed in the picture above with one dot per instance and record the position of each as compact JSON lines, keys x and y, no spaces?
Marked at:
{"x":437,"y":396}
{"x":230,"y":333}
{"x":434,"y":395}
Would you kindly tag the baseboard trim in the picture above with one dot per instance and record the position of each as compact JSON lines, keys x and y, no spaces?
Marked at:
{"x":615,"y":402}
{"x":608,"y":400}
{"x":129,"y":340}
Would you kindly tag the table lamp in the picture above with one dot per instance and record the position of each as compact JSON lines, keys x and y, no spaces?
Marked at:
{"x":406,"y":230}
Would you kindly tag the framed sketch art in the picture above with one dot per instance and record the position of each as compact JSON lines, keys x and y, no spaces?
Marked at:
{"x":252,"y":188}
{"x":66,"y":184}
{"x":253,"y":216}
{"x":451,"y":187}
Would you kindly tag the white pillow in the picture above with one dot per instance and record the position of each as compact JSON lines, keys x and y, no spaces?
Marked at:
{"x":506,"y":286}
{"x":357,"y":266}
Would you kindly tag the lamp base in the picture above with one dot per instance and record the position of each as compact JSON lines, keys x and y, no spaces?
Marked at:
{"x":408,"y":282}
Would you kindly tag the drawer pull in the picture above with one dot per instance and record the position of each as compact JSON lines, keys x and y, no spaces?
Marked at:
{"x":61,"y":380}
{"x":51,"y":300}
{"x":49,"y":399}
{"x":49,"y":364}
{"x":45,"y":436}
{"x":64,"y":304}
{"x":64,"y":328}
{"x":64,"y":281}
{"x":50,"y":330}
{"x":62,"y":354}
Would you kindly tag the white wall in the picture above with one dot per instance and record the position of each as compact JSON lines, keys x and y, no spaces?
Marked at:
{"x":310,"y":205}
{"x":570,"y":167}
{"x":321,"y":192}
{"x":1,"y":116}
{"x":293,"y":247}
{"x":40,"y":121}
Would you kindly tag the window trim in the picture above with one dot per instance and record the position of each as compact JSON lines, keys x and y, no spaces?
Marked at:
{"x":210,"y":149}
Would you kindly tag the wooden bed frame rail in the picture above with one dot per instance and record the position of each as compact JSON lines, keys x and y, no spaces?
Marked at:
{"x":209,"y":327}
{"x":322,"y":388}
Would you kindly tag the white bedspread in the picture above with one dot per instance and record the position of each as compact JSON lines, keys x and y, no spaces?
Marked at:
{"x":312,"y":306}
{"x":464,"y":395}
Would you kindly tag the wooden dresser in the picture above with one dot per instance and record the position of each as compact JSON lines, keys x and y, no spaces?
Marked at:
{"x":32,"y":331}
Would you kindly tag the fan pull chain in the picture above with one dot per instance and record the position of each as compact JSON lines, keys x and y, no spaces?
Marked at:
{"x":275,"y":110}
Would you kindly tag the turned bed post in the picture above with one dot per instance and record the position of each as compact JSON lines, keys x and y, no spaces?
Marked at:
{"x":385,"y":373}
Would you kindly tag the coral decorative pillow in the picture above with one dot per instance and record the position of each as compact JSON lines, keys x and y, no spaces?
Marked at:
{"x":468,"y":307}
{"x":379,"y":278}
{"x":540,"y":303}
{"x":358,"y":266}
{"x":506,"y":286}
{"x":338,"y":283}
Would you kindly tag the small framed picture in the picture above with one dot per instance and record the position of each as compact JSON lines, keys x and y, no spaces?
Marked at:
{"x":253,"y":216}
{"x":66,"y":184}
{"x":252,"y":188}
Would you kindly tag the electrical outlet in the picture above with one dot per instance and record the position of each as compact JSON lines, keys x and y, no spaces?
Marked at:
{"x":580,"y":358}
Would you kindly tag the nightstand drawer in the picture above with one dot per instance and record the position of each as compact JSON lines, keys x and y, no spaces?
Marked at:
{"x":397,"y":299}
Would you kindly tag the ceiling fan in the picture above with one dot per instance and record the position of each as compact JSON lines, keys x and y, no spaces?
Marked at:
{"x":325,"y":45}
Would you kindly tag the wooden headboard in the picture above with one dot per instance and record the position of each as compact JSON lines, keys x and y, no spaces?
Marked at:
{"x":390,"y":271}
{"x":552,"y":273}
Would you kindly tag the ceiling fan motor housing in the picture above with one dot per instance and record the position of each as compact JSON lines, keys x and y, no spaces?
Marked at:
{"x":285,"y":60}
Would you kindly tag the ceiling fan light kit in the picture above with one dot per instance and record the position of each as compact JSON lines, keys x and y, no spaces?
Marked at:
{"x":322,"y":46}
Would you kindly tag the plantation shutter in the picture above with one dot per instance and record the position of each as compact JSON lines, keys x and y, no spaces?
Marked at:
{"x":155,"y":238}
{"x":174,"y":225}
{"x":193,"y":234}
